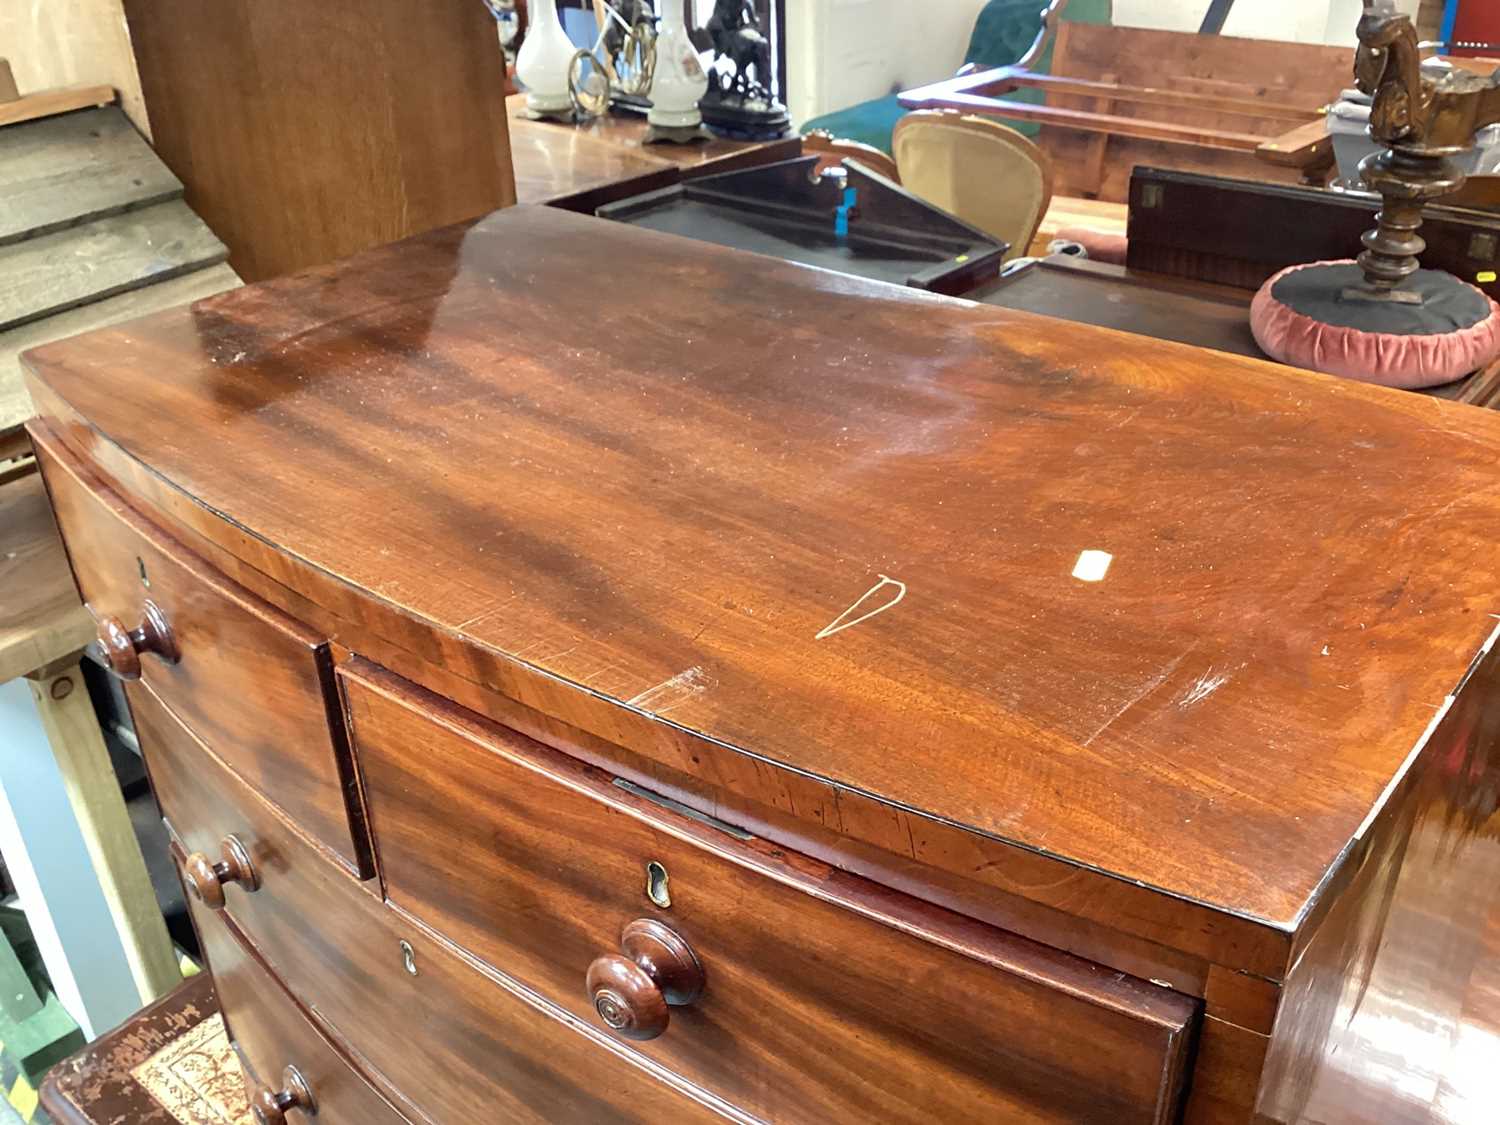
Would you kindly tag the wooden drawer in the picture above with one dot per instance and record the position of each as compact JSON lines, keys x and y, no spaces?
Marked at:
{"x":449,"y":1041}
{"x":824,"y":996}
{"x":272,"y":1035}
{"x":252,"y":682}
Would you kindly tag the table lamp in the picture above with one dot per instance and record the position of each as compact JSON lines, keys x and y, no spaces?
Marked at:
{"x":543,"y":61}
{"x":678,"y":82}
{"x":1382,"y":318}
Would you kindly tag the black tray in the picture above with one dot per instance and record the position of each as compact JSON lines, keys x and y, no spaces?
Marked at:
{"x":787,"y":211}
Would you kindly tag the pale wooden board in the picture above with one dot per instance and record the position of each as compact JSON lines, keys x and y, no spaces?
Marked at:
{"x":65,"y":170}
{"x":65,"y":42}
{"x":41,"y":618}
{"x":93,"y":791}
{"x":30,"y":107}
{"x":15,"y":405}
{"x":47,"y":275}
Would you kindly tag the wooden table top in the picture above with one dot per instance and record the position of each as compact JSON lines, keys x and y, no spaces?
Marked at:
{"x":553,"y":160}
{"x":850,"y":528}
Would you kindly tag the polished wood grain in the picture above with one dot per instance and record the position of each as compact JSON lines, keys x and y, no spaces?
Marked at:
{"x":306,"y":132}
{"x":253,"y":682}
{"x":272,"y":1037}
{"x":1153,"y":740}
{"x":216,"y":822}
{"x":439,"y":1035}
{"x":793,"y":952}
{"x":1391,"y":1011}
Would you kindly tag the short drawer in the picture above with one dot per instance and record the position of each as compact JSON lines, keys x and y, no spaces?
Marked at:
{"x":253,"y":683}
{"x":437,"y":1036}
{"x":792,"y":990}
{"x":293,"y":1073}
{"x":244,"y":859}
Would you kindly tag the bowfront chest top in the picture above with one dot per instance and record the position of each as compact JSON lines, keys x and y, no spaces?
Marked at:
{"x":754,"y":692}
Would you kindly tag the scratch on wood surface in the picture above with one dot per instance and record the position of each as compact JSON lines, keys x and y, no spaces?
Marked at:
{"x":1154,"y":683}
{"x":845,"y":620}
{"x":1207,"y":684}
{"x":671,"y":693}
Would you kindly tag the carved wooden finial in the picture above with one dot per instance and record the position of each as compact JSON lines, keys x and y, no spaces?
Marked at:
{"x":1422,"y":122}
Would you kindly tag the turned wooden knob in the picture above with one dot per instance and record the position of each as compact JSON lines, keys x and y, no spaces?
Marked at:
{"x":123,"y":648}
{"x":658,"y":970}
{"x":270,"y":1106}
{"x":206,"y":879}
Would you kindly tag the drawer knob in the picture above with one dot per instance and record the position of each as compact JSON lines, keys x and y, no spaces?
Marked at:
{"x":270,"y":1106}
{"x":206,"y":879}
{"x":632,"y":993}
{"x":123,"y":648}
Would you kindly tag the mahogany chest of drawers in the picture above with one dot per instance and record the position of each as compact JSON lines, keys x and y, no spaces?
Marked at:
{"x":771,"y":696}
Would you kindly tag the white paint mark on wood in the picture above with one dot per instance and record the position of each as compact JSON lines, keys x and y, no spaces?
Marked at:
{"x":1092,"y":566}
{"x":847,"y":620}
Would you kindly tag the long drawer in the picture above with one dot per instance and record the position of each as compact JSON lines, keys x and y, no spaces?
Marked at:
{"x":252,"y":682}
{"x":293,"y":1073}
{"x":442,"y":1038}
{"x":790,"y":989}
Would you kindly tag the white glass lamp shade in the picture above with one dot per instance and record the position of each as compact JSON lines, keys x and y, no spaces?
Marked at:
{"x":543,"y":61}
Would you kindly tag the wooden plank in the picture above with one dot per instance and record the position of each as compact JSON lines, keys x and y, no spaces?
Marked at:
{"x":1009,"y":78}
{"x":1305,"y":74}
{"x":41,"y":618}
{"x":93,"y":791}
{"x":15,"y":404}
{"x":1086,"y":122}
{"x":61,"y":171}
{"x":1302,"y":147}
{"x":56,"y":272}
{"x":50,"y":102}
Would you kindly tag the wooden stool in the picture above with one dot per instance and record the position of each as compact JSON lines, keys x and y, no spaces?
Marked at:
{"x":170,"y":1065}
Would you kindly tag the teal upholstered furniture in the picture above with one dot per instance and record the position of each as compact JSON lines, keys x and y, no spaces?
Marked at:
{"x":1002,"y":33}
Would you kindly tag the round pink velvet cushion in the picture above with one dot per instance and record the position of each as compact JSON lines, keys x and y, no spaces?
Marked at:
{"x":1390,"y":359}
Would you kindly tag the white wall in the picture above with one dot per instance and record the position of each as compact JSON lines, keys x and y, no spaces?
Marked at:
{"x":1300,"y":21}
{"x":841,"y":52}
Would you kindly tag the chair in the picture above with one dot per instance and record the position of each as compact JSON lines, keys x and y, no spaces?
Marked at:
{"x":832,"y":150}
{"x":985,"y":173}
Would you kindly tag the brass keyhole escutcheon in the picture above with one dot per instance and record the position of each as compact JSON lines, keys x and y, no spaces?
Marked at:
{"x":408,"y":958}
{"x":656,"y":885}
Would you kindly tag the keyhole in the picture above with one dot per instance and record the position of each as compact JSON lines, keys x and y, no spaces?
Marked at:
{"x":141,"y":566}
{"x":656,"y":885}
{"x":408,"y":958}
